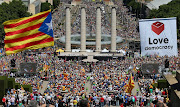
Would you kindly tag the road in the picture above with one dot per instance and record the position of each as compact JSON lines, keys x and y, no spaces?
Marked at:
{"x":45,"y":83}
{"x":88,"y":85}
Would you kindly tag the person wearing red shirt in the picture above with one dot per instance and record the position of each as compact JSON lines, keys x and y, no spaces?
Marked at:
{"x":102,"y":102}
{"x":163,"y":93}
{"x":4,"y":101}
{"x":122,"y":105}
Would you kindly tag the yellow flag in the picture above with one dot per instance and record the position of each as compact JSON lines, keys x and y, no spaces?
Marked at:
{"x":22,"y":88}
{"x":130,"y":85}
{"x":134,"y":69}
{"x":63,"y":88}
{"x":82,"y":68}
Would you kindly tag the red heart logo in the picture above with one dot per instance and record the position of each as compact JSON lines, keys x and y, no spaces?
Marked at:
{"x":157,"y":27}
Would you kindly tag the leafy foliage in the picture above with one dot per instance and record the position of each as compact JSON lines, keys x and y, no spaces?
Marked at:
{"x":14,"y":10}
{"x":45,"y":6}
{"x":126,"y":2}
{"x":136,"y":8}
{"x":56,"y":3}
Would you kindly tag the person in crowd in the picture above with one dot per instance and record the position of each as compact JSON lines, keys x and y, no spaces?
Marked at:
{"x":68,"y":79}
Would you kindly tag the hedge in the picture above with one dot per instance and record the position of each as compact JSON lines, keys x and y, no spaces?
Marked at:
{"x":11,"y":83}
{"x":27,"y":88}
{"x":13,"y":70}
{"x":3,"y":83}
{"x":162,"y":84}
{"x":17,"y":86}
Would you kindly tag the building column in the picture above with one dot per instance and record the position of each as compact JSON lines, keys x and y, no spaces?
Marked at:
{"x":68,"y":29}
{"x":113,"y":29}
{"x":98,"y":29}
{"x":83,"y":29}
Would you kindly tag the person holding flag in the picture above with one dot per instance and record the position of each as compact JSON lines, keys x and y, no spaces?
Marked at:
{"x":130,"y":85}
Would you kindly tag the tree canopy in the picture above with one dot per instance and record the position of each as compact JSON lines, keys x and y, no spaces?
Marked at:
{"x":136,"y":8}
{"x":45,"y":6}
{"x":14,"y":10}
{"x":56,"y":3}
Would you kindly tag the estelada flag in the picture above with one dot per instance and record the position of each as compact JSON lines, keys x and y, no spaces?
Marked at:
{"x":22,"y":88}
{"x":130,"y":85}
{"x":29,"y":33}
{"x":82,"y":68}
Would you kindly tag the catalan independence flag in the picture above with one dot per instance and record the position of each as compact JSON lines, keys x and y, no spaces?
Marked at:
{"x":130,"y":85}
{"x":29,"y":33}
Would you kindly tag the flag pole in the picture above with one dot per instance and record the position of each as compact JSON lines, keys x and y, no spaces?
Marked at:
{"x":54,"y":52}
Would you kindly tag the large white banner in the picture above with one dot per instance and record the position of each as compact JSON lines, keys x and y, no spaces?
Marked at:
{"x":158,"y":36}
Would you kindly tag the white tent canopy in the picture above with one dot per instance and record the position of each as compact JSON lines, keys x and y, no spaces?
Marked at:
{"x":105,"y":50}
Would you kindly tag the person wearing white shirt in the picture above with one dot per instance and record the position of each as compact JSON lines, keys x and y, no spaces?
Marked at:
{"x":12,"y":100}
{"x":8,"y":101}
{"x":20,"y":99}
{"x":91,"y":78}
{"x":77,"y":98}
{"x":64,"y":99}
{"x":25,"y":98}
{"x":109,"y":99}
{"x":156,"y":90}
{"x":97,"y":102}
{"x":48,"y":97}
{"x":71,"y":102}
{"x":11,"y":75}
{"x":159,"y":97}
{"x":104,"y":96}
{"x":12,"y":91}
{"x":43,"y":101}
{"x":138,"y":98}
{"x":145,"y":102}
{"x":110,"y":87}
{"x":40,"y":99}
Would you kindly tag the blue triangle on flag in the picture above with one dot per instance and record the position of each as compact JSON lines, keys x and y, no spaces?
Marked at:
{"x":46,"y":26}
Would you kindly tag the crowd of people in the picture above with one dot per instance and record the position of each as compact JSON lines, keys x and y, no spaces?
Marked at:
{"x":73,"y":83}
{"x":70,"y":82}
{"x":126,"y":22}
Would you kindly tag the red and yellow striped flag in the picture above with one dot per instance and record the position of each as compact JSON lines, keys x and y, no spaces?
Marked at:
{"x":130,"y":85}
{"x":22,"y":88}
{"x":82,"y":68}
{"x":29,"y":33}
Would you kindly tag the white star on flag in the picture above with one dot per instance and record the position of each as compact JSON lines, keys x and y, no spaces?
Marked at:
{"x":49,"y":25}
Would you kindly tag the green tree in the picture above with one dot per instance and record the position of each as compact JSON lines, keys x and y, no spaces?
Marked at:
{"x":136,"y":6}
{"x":56,"y":3}
{"x":45,"y":6}
{"x":14,"y":10}
{"x":126,"y":2}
